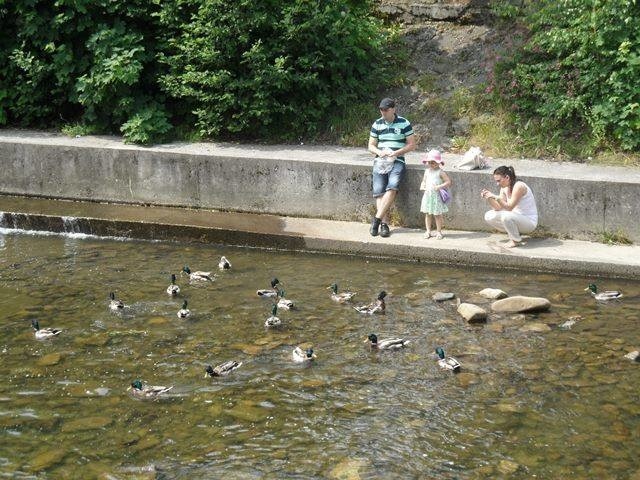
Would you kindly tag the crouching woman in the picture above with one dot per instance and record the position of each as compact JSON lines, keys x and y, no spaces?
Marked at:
{"x":513,"y":209}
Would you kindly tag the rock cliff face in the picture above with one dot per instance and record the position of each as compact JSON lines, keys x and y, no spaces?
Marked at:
{"x":452,"y":45}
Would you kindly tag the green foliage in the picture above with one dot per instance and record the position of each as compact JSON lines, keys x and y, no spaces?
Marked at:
{"x":78,"y":130}
{"x":217,"y":68}
{"x":89,"y":62}
{"x":578,"y":73}
{"x":272,"y":69}
{"x":146,"y":126}
{"x":615,"y":237}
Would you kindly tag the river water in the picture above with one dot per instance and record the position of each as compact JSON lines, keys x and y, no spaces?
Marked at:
{"x":533,"y":400}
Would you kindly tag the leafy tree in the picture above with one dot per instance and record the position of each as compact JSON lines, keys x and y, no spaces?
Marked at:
{"x":579,"y":69}
{"x":271,"y":68}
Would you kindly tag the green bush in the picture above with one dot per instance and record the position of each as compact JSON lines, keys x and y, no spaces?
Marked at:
{"x":146,"y":126}
{"x":272,"y":69}
{"x":213,"y":68}
{"x":578,"y":71}
{"x":86,"y":62}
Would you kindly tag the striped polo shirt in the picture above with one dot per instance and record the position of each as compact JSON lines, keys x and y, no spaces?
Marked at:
{"x":392,"y":135}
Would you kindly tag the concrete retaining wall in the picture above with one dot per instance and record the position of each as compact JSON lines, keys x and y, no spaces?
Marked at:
{"x":325,"y":182}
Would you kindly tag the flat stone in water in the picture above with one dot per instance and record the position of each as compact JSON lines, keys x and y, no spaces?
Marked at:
{"x":50,"y":359}
{"x":535,"y":327}
{"x":247,"y":348}
{"x":508,"y":408}
{"x":347,"y":469}
{"x":492,"y":293}
{"x":155,"y":321}
{"x":465,"y":379}
{"x":507,"y":467}
{"x":443,"y":296}
{"x":47,"y":459}
{"x":98,"y":340}
{"x":495,"y":327}
{"x":88,"y":423}
{"x":472,"y":313}
{"x":146,"y":443}
{"x":247,"y":412}
{"x":520,"y":304}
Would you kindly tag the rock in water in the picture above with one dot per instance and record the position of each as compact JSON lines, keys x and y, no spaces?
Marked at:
{"x":535,"y":327}
{"x":520,"y":304}
{"x":472,"y":313}
{"x":443,"y":296}
{"x":492,"y":293}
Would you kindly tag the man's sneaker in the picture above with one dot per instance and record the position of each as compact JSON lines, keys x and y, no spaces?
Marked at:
{"x":375,"y":224}
{"x":384,"y":230}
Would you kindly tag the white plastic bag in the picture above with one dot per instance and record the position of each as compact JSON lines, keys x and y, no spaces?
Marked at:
{"x":383,"y":165}
{"x":473,"y":159}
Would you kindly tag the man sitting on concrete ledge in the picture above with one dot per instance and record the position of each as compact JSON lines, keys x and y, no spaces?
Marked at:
{"x":390,"y":138}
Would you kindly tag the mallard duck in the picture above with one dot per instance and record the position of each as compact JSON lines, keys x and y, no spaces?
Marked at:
{"x":283,"y":303}
{"x":184,"y":312}
{"x":115,"y":305}
{"x":224,"y":264}
{"x":270,"y":292}
{"x":223,"y":369}
{"x":139,"y":390}
{"x":378,"y":306}
{"x":42,"y":333}
{"x":300,"y":356}
{"x":341,"y":297}
{"x":198,"y":276}
{"x":273,"y":321}
{"x":448,"y":363}
{"x":603,"y":296}
{"x":173,"y":289}
{"x":386,"y":344}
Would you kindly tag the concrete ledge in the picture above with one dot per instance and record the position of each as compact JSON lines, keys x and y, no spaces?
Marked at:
{"x":315,"y":235}
{"x":334,"y":183}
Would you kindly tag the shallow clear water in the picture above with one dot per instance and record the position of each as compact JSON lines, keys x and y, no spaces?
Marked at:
{"x":556,"y":404}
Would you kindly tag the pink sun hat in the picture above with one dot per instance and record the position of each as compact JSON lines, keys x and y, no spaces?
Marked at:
{"x":433,"y":156}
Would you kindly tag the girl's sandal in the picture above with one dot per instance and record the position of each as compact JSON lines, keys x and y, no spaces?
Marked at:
{"x":439,"y":236}
{"x":427,"y":235}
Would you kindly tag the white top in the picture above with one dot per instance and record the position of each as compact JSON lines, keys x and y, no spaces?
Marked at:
{"x":527,"y":204}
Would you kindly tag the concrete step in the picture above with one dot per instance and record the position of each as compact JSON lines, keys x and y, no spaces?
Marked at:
{"x":315,"y":235}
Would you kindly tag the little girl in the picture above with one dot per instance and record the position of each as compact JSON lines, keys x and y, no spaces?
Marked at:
{"x":434,"y":179}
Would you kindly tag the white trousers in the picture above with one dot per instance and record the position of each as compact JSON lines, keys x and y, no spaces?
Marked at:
{"x":512,"y":223}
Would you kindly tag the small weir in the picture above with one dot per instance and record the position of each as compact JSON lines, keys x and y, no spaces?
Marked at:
{"x":71,"y":225}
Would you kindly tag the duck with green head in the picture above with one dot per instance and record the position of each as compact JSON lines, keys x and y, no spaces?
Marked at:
{"x":197,"y":276}
{"x":42,"y":333}
{"x":115,"y":305}
{"x":140,"y":390}
{"x":223,"y":369}
{"x":386,"y":344}
{"x":303,"y":356}
{"x":448,"y":363}
{"x":273,"y":321}
{"x":224,"y":264}
{"x":377,"y":306}
{"x":270,"y":292}
{"x":605,"y":296}
{"x":341,"y":297}
{"x":184,"y":312}
{"x":173,"y":289}
{"x":283,"y":303}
